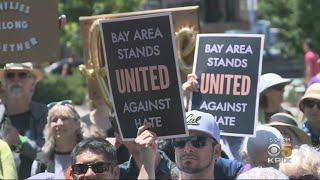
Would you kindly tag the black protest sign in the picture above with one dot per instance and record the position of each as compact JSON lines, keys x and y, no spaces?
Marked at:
{"x":143,"y":74}
{"x":228,"y":68}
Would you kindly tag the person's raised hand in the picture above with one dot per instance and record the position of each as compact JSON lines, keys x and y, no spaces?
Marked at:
{"x":191,"y":85}
{"x":146,"y":140}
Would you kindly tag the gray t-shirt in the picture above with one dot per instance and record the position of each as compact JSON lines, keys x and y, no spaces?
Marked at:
{"x":61,"y":163}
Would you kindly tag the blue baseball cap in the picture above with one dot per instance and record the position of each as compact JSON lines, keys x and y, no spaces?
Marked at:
{"x":203,"y":122}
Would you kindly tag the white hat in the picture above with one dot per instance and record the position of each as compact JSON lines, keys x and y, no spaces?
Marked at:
{"x":204,"y":122}
{"x":271,"y":79}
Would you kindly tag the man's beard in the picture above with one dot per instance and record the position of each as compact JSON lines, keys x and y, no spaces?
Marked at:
{"x":15,"y":91}
{"x":193,"y":170}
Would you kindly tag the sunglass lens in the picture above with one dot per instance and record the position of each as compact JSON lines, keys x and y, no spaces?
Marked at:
{"x":100,"y":167}
{"x":311,"y":103}
{"x":199,"y":142}
{"x":10,"y":75}
{"x":196,"y":141}
{"x":178,"y":143}
{"x":22,"y":75}
{"x":79,"y":168}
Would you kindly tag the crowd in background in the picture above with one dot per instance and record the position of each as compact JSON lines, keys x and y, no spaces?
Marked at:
{"x":53,"y":141}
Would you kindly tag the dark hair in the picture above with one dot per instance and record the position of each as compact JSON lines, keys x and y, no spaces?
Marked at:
{"x":309,"y":43}
{"x":96,"y":145}
{"x":263,"y":101}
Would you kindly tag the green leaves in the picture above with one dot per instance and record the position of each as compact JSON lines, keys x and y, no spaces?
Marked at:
{"x":296,"y":19}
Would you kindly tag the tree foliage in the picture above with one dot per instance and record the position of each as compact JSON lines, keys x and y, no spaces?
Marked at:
{"x":73,"y":9}
{"x":297,"y":21}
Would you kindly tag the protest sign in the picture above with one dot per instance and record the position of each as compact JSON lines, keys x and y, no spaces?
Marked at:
{"x":28,"y":31}
{"x":228,"y":68}
{"x":93,"y":58}
{"x":143,"y":74}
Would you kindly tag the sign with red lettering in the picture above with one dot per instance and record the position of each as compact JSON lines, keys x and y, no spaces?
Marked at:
{"x":228,"y":68}
{"x":28,"y":31}
{"x":143,"y":75}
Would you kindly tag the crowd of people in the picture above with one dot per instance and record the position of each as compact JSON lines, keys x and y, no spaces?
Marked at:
{"x":53,"y":142}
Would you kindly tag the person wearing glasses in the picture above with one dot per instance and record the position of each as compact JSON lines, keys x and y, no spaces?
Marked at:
{"x":310,"y":105}
{"x":94,"y":158}
{"x":62,"y":132}
{"x":195,"y":154}
{"x":26,"y":119}
{"x":230,"y":145}
{"x":271,"y":88}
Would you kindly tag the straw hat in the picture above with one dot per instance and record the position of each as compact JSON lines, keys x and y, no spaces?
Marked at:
{"x":313,"y":92}
{"x":271,"y":79}
{"x":26,"y":66}
{"x":288,"y":121}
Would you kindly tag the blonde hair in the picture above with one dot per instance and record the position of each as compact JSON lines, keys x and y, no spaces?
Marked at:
{"x":58,"y":110}
{"x":303,"y":161}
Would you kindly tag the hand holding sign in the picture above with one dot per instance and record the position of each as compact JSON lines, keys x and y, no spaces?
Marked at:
{"x":146,"y":139}
{"x":191,"y":85}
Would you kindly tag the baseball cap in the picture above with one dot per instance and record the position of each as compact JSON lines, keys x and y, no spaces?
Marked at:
{"x":203,"y":122}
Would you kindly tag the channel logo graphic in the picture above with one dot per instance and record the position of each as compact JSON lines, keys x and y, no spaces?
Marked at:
{"x":279,"y":154}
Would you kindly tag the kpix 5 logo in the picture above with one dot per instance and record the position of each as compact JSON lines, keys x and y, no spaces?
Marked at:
{"x":278,"y":153}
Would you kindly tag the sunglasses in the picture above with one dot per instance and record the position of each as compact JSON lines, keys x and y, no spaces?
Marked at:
{"x":98,"y":167}
{"x":196,"y":141}
{"x":21,"y":75}
{"x":310,"y":103}
{"x":63,"y":102}
{"x":279,"y":87}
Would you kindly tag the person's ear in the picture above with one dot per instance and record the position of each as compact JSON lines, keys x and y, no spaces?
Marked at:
{"x":33,"y":85}
{"x":216,"y":151}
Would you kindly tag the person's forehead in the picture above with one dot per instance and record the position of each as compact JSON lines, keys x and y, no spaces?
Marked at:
{"x":88,"y":157}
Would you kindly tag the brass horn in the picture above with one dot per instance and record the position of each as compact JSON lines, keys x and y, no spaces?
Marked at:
{"x":94,"y":68}
{"x":185,"y":43}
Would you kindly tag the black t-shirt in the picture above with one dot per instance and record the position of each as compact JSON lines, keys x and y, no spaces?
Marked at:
{"x":22,"y":123}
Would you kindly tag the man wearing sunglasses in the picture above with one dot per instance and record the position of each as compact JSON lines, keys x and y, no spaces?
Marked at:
{"x":310,"y":105}
{"x":94,"y":158}
{"x":196,"y":154}
{"x":23,"y":130}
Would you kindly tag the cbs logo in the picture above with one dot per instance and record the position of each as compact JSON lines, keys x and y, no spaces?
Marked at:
{"x":275,"y":150}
